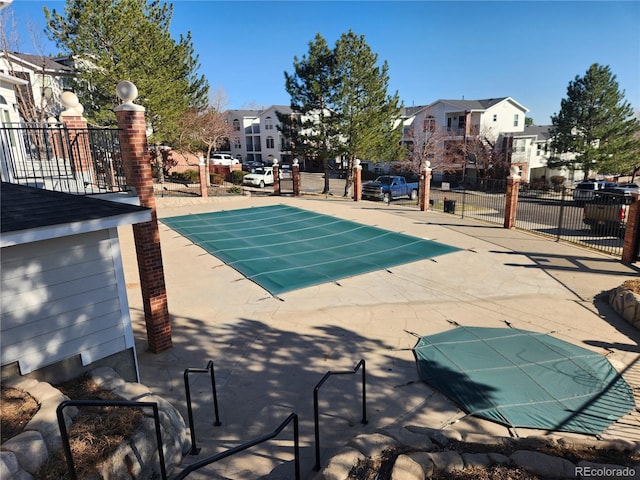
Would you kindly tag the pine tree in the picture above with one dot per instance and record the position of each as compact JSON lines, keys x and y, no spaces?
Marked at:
{"x":312,"y":86}
{"x":597,"y":125}
{"x":129,"y":40}
{"x":340,"y":100}
{"x":369,"y":117}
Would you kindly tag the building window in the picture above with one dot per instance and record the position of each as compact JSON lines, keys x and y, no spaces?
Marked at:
{"x":236,"y":143}
{"x":515,"y":120}
{"x":430,"y":124}
{"x":268,"y":123}
{"x":270,"y":142}
{"x":236,"y":125}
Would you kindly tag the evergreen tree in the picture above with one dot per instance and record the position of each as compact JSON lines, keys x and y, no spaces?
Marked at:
{"x":369,"y":117}
{"x":597,"y":125}
{"x":312,"y":129}
{"x":341,"y":104}
{"x":129,"y":40}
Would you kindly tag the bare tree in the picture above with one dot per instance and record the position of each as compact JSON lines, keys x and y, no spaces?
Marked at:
{"x":427,"y":143}
{"x":30,"y":108}
{"x":479,"y":149}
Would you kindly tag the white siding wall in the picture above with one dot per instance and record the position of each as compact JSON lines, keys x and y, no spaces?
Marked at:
{"x":63,"y":297}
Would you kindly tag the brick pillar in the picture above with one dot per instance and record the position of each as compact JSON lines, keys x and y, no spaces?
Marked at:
{"x":357,"y":181}
{"x":137,"y":164}
{"x":276,"y":178}
{"x":76,"y":126}
{"x":513,"y":187}
{"x":296,"y":177}
{"x":202,"y":170}
{"x":631,"y":243}
{"x":425,"y":187}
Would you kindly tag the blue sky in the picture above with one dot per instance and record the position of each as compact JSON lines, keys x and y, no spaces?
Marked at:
{"x":529,"y":51}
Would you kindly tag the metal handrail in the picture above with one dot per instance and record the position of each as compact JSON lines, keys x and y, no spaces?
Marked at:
{"x":194,"y":450}
{"x":106,"y":403}
{"x":316,"y":419}
{"x":249,"y":444}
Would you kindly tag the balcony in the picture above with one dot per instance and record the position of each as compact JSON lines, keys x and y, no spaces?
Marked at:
{"x":53,"y":157}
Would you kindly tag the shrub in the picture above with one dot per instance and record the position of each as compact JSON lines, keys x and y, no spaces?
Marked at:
{"x":217,"y":179}
{"x":237,"y":176}
{"x":190,"y":176}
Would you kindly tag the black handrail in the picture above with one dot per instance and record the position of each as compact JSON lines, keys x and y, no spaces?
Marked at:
{"x":316,"y":419}
{"x":106,"y":403}
{"x":249,"y":444}
{"x":194,"y":450}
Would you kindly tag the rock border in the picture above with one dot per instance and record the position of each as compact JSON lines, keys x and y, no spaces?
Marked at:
{"x":424,"y":461}
{"x":137,"y":458}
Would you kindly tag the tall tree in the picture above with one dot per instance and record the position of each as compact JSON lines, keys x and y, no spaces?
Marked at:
{"x":129,"y":40}
{"x":369,"y":117}
{"x":597,"y":124}
{"x":312,"y":129}
{"x":341,"y":106}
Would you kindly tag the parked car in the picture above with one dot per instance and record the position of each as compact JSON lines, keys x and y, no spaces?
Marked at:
{"x":388,"y":187}
{"x":259,"y":177}
{"x":585,"y":191}
{"x":223,"y":159}
{"x":606,"y":213}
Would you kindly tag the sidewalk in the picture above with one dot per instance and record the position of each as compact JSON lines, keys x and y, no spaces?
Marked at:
{"x":270,"y":353}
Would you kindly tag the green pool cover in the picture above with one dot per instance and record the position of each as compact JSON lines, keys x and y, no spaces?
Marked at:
{"x":524,"y":379}
{"x":283,"y":248}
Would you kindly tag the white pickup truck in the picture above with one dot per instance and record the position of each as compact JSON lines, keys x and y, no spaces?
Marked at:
{"x":259,"y":177}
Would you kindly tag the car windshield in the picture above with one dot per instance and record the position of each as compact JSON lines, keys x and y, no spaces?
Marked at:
{"x":385,"y":180}
{"x":586,"y":186}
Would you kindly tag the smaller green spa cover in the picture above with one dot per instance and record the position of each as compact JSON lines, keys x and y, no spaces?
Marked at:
{"x":283,"y":248}
{"x":524,"y":379}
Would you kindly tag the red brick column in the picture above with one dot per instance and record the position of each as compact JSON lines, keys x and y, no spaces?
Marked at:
{"x":137,"y":164}
{"x":76,"y":126}
{"x":632,"y":234}
{"x":295,"y":168}
{"x":357,"y":181}
{"x":425,"y":187}
{"x":202,"y":170}
{"x":511,"y":202}
{"x":276,"y":178}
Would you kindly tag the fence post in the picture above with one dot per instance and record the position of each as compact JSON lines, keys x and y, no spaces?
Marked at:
{"x":76,"y":126}
{"x":513,"y":187}
{"x":137,"y":165}
{"x":425,"y":187}
{"x":276,"y":177}
{"x":296,"y":177}
{"x":631,"y":245}
{"x":202,"y":170}
{"x":357,"y":181}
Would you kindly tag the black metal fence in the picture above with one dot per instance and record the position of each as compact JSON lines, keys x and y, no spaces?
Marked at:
{"x":547,"y":211}
{"x":54,"y":157}
{"x":598,"y":224}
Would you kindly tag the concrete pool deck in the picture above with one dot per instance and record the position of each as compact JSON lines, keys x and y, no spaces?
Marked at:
{"x":269,"y":353}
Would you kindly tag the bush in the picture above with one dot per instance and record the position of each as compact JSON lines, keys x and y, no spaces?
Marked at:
{"x":217,"y":179}
{"x":190,"y":176}
{"x":237,"y":176}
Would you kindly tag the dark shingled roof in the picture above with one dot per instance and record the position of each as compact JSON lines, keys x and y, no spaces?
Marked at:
{"x":23,"y":208}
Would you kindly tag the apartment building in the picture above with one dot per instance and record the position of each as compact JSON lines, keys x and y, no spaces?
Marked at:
{"x":530,"y":150}
{"x":257,"y":136}
{"x":45,"y":79}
